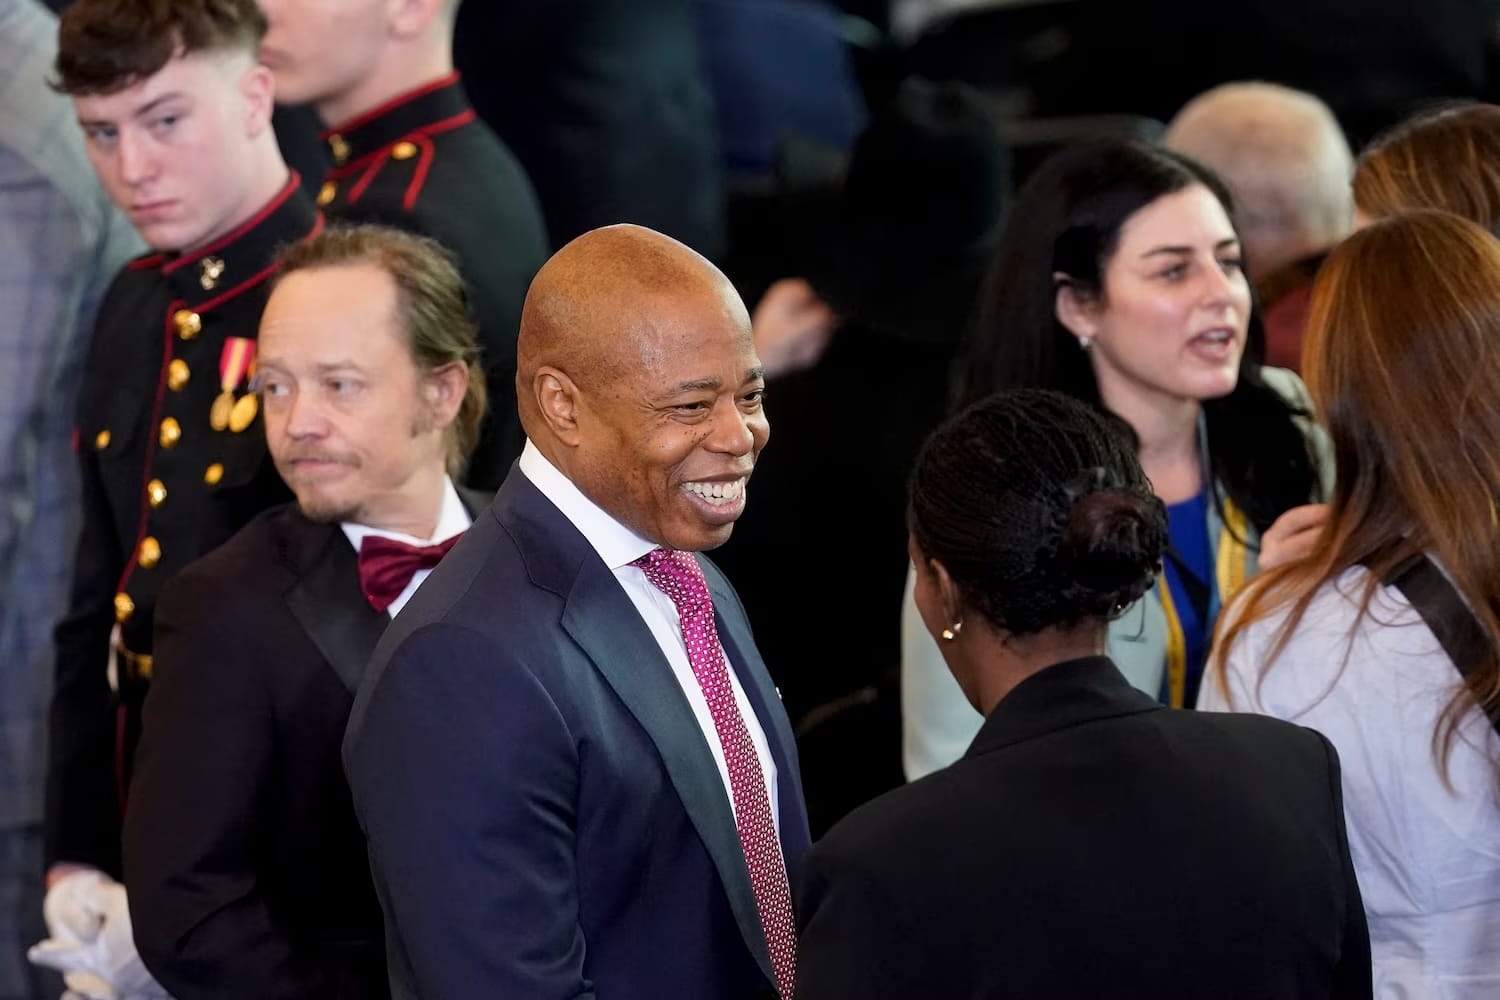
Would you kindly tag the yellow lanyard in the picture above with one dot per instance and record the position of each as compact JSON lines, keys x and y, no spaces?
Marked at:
{"x":1231,"y":569}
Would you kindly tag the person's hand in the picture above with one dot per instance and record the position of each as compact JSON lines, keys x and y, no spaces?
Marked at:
{"x":1292,"y":535}
{"x":74,"y":905}
{"x":91,"y":943}
{"x":792,"y":327}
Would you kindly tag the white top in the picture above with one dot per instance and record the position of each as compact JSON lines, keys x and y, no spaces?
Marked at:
{"x":452,"y":520}
{"x":618,"y":546}
{"x":1428,"y":860}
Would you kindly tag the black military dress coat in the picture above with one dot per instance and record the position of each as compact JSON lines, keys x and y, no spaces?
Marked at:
{"x":426,"y":164}
{"x":173,"y":459}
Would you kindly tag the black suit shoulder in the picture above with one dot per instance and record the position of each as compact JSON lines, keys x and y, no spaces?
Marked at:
{"x":241,"y":571}
{"x":1224,"y":835}
{"x":1240,"y":748}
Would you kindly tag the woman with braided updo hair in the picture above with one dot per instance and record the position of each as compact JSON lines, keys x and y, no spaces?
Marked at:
{"x":1071,"y":537}
{"x":1091,"y":842}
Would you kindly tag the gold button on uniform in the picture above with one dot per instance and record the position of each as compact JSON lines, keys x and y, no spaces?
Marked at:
{"x":403,"y":151}
{"x":188,"y":323}
{"x":124,"y":607}
{"x":338,"y":147}
{"x":156,"y":492}
{"x":178,"y":374}
{"x":171,"y":432}
{"x":327,"y":193}
{"x":213,"y":474}
{"x":101,"y":440}
{"x":150,"y":552}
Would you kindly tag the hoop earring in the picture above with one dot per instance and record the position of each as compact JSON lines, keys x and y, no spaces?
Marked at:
{"x":951,"y":632}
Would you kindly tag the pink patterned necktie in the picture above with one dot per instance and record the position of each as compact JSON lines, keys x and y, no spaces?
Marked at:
{"x":678,"y":575}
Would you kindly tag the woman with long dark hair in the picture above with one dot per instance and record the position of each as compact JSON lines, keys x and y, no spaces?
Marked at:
{"x":1385,"y":635}
{"x":1119,"y":280}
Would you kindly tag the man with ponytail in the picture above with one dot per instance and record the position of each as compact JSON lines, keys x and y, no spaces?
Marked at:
{"x":245,"y":865}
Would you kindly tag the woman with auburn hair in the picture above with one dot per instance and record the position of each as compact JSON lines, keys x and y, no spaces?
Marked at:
{"x":1385,"y":635}
{"x":1447,"y":159}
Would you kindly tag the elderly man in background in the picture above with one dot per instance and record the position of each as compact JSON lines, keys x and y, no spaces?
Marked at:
{"x":1286,"y":162}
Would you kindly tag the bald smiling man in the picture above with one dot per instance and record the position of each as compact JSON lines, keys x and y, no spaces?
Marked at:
{"x":575,"y":775}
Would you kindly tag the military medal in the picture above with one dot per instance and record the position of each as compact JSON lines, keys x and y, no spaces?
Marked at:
{"x":234,"y":363}
{"x":243,"y":414}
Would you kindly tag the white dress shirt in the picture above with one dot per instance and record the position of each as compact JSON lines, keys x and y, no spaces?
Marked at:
{"x":618,"y":546}
{"x":452,"y":520}
{"x":1428,"y":860}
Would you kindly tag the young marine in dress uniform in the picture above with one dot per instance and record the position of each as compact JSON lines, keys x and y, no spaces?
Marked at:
{"x":176,"y":114}
{"x":408,"y":151}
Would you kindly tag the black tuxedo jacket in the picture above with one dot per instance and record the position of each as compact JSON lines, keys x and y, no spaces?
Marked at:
{"x":248,"y":876}
{"x":1092,"y":843}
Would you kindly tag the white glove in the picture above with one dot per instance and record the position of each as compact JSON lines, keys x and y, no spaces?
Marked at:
{"x":91,"y":944}
{"x":74,"y":906}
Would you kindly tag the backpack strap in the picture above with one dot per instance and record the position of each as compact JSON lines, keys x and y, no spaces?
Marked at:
{"x":1438,"y":602}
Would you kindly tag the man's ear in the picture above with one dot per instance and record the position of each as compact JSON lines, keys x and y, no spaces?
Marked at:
{"x":558,"y":401}
{"x":1076,"y":309}
{"x":258,"y":87}
{"x":411,"y":18}
{"x":445,"y":387}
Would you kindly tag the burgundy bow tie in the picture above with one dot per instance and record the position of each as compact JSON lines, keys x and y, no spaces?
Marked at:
{"x":386,"y":566}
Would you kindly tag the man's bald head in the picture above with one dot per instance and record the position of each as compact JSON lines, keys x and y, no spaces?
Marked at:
{"x":1285,"y":160}
{"x":595,"y":309}
{"x":637,"y":378}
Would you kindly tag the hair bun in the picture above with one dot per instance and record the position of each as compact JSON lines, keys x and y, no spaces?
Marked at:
{"x":1111,"y":547}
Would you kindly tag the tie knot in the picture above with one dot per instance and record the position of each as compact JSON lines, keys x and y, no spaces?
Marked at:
{"x":678,"y":575}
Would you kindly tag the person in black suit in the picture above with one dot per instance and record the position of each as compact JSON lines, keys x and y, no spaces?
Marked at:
{"x":246,"y":871}
{"x":607,"y":106}
{"x":1091,"y":843}
{"x":573,"y":769}
{"x":407,"y":150}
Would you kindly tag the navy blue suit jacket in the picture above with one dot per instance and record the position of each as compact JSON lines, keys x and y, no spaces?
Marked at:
{"x":544,"y":815}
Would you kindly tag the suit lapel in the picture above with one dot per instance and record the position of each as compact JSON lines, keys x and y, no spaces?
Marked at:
{"x":326,"y":599}
{"x":603,"y":621}
{"x":600,"y":617}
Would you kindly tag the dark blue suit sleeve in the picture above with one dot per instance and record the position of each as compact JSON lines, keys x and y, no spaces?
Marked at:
{"x":465,"y":778}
